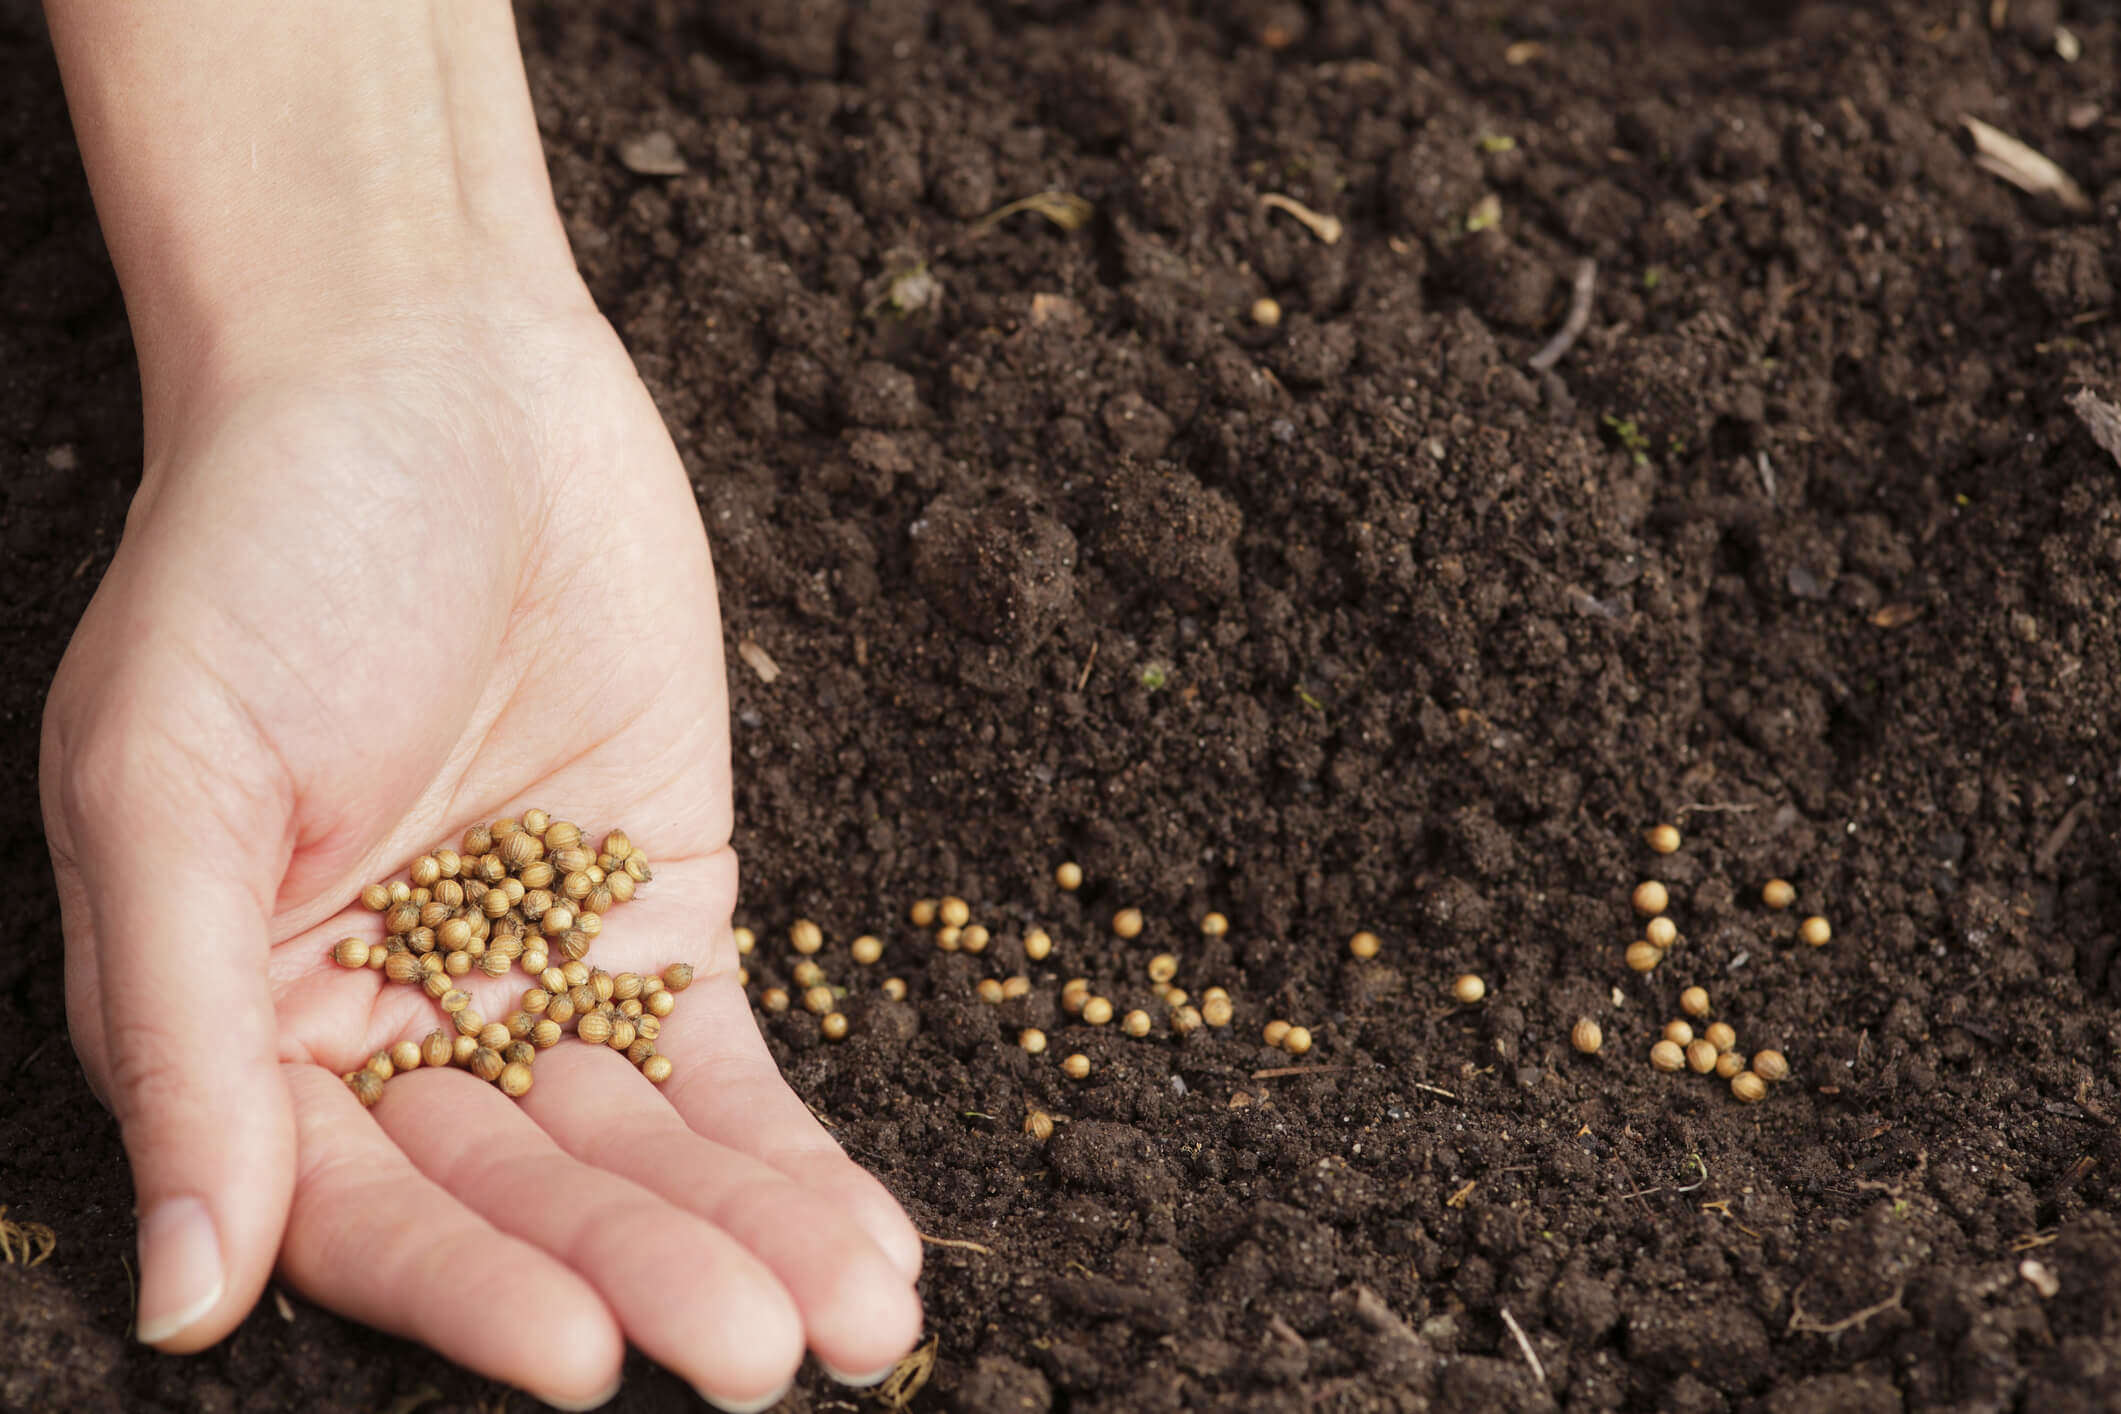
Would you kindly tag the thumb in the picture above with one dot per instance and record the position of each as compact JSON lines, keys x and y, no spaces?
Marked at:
{"x":172,"y":1008}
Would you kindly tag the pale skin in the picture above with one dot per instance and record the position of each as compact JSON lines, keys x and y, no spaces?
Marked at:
{"x":412,"y":549}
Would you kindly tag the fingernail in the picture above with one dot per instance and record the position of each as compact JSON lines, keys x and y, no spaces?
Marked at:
{"x":746,"y":1406}
{"x":858,"y":1381}
{"x":576,"y":1406}
{"x":180,"y":1268}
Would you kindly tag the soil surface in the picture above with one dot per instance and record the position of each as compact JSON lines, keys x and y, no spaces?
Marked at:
{"x":1354,"y":621}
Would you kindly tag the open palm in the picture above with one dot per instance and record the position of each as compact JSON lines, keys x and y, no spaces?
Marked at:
{"x":360,"y":604}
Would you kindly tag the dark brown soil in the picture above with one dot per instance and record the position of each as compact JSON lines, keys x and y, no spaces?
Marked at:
{"x":1350,"y":623}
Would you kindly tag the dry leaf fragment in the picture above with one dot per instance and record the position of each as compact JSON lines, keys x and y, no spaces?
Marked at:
{"x":2002,"y":155}
{"x":1064,"y":209}
{"x":1894,"y":615}
{"x":2100,"y":417}
{"x":1326,"y":228}
{"x":758,"y":659}
{"x":652,"y":155}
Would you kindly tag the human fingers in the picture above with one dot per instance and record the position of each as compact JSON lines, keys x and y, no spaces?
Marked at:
{"x":685,"y":1292}
{"x":859,"y":1310}
{"x":725,"y":1084}
{"x":373,"y":1238}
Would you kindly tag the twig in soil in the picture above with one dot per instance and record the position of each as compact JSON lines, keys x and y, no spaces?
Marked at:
{"x":1539,"y":1371}
{"x":1326,"y":228}
{"x":1064,"y":209}
{"x":1799,"y":1321}
{"x":2051,"y":847}
{"x":1767,"y":473}
{"x":1458,"y":1199}
{"x":958,"y":1242}
{"x":2035,"y":1239}
{"x":1277,"y":1072}
{"x":1083,"y":679}
{"x":1999,"y":154}
{"x":1435,"y":1090}
{"x":1578,"y":319}
{"x":909,"y":1375}
{"x":26,"y":1061}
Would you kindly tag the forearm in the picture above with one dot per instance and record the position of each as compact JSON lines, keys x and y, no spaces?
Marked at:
{"x":262,"y":168}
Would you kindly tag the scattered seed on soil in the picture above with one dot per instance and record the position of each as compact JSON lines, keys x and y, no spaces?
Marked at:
{"x":1163,"y":967}
{"x":990,"y":990}
{"x":1643,"y":955}
{"x":1364,"y":945}
{"x":1586,"y":1037}
{"x":1469,"y":988}
{"x":1127,"y":922}
{"x":1037,"y":944}
{"x":1778,"y":893}
{"x":894,"y":989}
{"x":1816,"y":931}
{"x":1039,"y":1125}
{"x":1297,"y":1041}
{"x":1276,"y":1032}
{"x":923,"y":913}
{"x":817,"y":1000}
{"x":1014,"y":987}
{"x":1650,"y":898}
{"x":946,"y":937}
{"x":1097,"y":1011}
{"x":833,"y":1026}
{"x":1694,"y":1001}
{"x":1069,"y":876}
{"x":1075,"y":1067}
{"x":1137,"y":1023}
{"x":1186,"y":1020}
{"x":1214,"y":925}
{"x":1770,"y":1065}
{"x":1031,"y":1039}
{"x":805,"y":936}
{"x":1660,"y":932}
{"x":1266,"y":312}
{"x":1700,"y":1057}
{"x":973,"y":939}
{"x":1667,"y":1056}
{"x":1748,"y":1087}
{"x":1729,"y":1064}
{"x":866,"y":950}
{"x":1678,"y":1032}
{"x":1664,"y":838}
{"x":954,"y":913}
{"x":1217,"y":1011}
{"x":1720,"y":1035}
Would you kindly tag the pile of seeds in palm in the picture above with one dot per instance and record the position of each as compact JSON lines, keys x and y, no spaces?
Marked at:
{"x":523,"y":892}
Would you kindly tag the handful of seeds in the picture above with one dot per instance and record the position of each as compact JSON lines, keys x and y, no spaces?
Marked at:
{"x":518,"y":891}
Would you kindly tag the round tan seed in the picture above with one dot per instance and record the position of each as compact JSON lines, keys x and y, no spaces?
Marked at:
{"x":1214,"y":925}
{"x":974,"y":938}
{"x":1667,"y":1056}
{"x":1650,"y":898}
{"x":922,"y":914}
{"x":1749,"y":1088}
{"x":1678,"y":1033}
{"x":1037,"y":944}
{"x":866,"y":949}
{"x":1077,"y":1066}
{"x":1031,"y":1039}
{"x":1217,"y":1010}
{"x":657,"y":1068}
{"x":1297,"y":1041}
{"x":833,"y":1026}
{"x":954,"y":912}
{"x":1643,"y":955}
{"x":1701,"y":1057}
{"x":1097,"y":1011}
{"x":1469,"y":988}
{"x":1663,"y":838}
{"x":1816,"y":931}
{"x":1778,"y":893}
{"x":774,"y":999}
{"x":1127,"y":923}
{"x":1039,"y":1125}
{"x":1694,"y":1001}
{"x":1660,"y":932}
{"x":1136,"y":1023}
{"x":1069,"y":875}
{"x":1770,"y":1065}
{"x":1729,"y":1064}
{"x":895,"y":988}
{"x":1275,"y":1032}
{"x":1586,"y":1037}
{"x":1365,"y":945}
{"x":805,"y":937}
{"x":1163,"y":967}
{"x":990,"y":991}
{"x":1720,"y":1035}
{"x":352,"y":952}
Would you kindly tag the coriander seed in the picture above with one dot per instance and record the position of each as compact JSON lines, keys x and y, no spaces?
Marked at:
{"x":469,"y":1022}
{"x":535,"y":821}
{"x":576,"y":973}
{"x":1216,"y":1010}
{"x":1275,"y":1032}
{"x":1678,"y":1033}
{"x":1127,"y":923}
{"x":1032,"y":1040}
{"x":1643,"y":955}
{"x":455,"y":1000}
{"x":866,"y":949}
{"x":1660,"y":932}
{"x":922,"y":913}
{"x":1172,"y":996}
{"x":1694,"y":1001}
{"x":461,"y":1049}
{"x":514,"y":1080}
{"x":833,"y":1026}
{"x":1729,"y":1064}
{"x":352,"y":952}
{"x":377,"y":956}
{"x":665,"y":1002}
{"x":805,"y":974}
{"x":1816,"y":931}
{"x":562,"y":834}
{"x":676,"y":977}
{"x":1039,"y":1125}
{"x":1770,"y":1065}
{"x":437,"y":1049}
{"x":1701,"y":1057}
{"x":1214,"y":925}
{"x":895,"y":988}
{"x":657,"y":1068}
{"x":626,"y":984}
{"x":403,"y":967}
{"x":954,"y":912}
{"x":1469,"y":988}
{"x":560,"y":1010}
{"x":1663,"y":838}
{"x":774,"y":999}
{"x":1667,"y":1056}
{"x":1186,"y":1020}
{"x":486,"y":1063}
{"x":535,"y":960}
{"x":1650,"y":898}
{"x":974,"y":938}
{"x":1097,"y":1011}
{"x":1266,"y":312}
{"x":1586,"y":1037}
{"x":367,"y":1088}
{"x":1037,"y":944}
{"x":1074,"y":994}
{"x":1014,"y":987}
{"x":1069,"y":875}
{"x":947,"y":937}
{"x":383,"y":1066}
{"x":594,"y":1028}
{"x":805,"y":936}
{"x":1720,"y":1035}
{"x":623,"y":1034}
{"x":405,"y":1055}
{"x":375,"y":898}
{"x":1298,"y":1041}
{"x":1136,"y":1023}
{"x":641,"y":1051}
{"x":990,"y":991}
{"x":1163,"y":967}
{"x":1077,"y":1066}
{"x":816,"y":1000}
{"x":1749,"y":1088}
{"x":648,"y":1028}
{"x":1364,"y":945}
{"x":1778,"y":893}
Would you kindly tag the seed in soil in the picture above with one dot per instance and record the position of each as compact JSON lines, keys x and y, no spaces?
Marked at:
{"x":1694,"y":1001}
{"x":1162,"y":968}
{"x":1039,"y":1125}
{"x":1469,"y":988}
{"x":1660,"y":932}
{"x":1137,"y":1023}
{"x":1214,"y":925}
{"x":1032,"y":1040}
{"x":1816,"y":931}
{"x":833,"y":1026}
{"x":1664,"y":838}
{"x":1097,"y":1011}
{"x":1667,"y":1056}
{"x":1678,"y":1033}
{"x":974,"y":938}
{"x":1074,"y":993}
{"x":1127,"y":923}
{"x":1014,"y":987}
{"x":746,"y":940}
{"x":1729,"y":1064}
{"x":946,"y":937}
{"x":954,"y":912}
{"x":1748,"y":1087}
{"x":1701,"y":1057}
{"x":866,"y":949}
{"x":1186,"y":1020}
{"x":1650,"y":898}
{"x":1644,"y":955}
{"x":1770,"y":1065}
{"x":1298,"y":1041}
{"x":1276,"y":1032}
{"x":817,"y":1000}
{"x":807,"y":974}
{"x":1037,"y":944}
{"x":1077,"y":1066}
{"x":1266,"y":312}
{"x":922,"y":913}
{"x":1364,"y":945}
{"x":1586,"y":1037}
{"x":894,"y":988}
{"x":1720,"y":1035}
{"x":805,"y":936}
{"x":1216,"y":1010}
{"x":1069,"y":875}
{"x":990,"y":991}
{"x":1778,"y":893}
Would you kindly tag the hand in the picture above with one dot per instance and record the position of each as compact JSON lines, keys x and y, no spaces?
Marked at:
{"x":417,"y":573}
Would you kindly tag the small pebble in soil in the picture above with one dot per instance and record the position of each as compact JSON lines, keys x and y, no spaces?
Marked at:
{"x":1586,"y":1037}
{"x":1666,"y":1056}
{"x":1694,"y":1001}
{"x":1660,"y":932}
{"x":1678,"y":1033}
{"x":1127,"y":923}
{"x":1816,"y":931}
{"x":1364,"y":945}
{"x":1720,"y":1035}
{"x":1644,"y":955}
{"x":1650,"y":898}
{"x":1469,"y":988}
{"x":1748,"y":1087}
{"x":1069,"y":875}
{"x":1778,"y":893}
{"x":1664,"y":838}
{"x":1214,"y":925}
{"x":1770,"y":1065}
{"x":1075,"y":1067}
